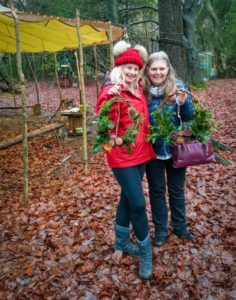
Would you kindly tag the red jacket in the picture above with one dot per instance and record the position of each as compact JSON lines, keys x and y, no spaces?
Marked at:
{"x":118,"y":157}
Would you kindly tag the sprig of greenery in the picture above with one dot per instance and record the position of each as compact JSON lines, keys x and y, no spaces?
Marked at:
{"x":131,"y":132}
{"x":202,"y":124}
{"x":163,"y":126}
{"x":104,"y":125}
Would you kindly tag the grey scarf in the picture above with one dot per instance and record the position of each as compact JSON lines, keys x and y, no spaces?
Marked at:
{"x":157,"y":91}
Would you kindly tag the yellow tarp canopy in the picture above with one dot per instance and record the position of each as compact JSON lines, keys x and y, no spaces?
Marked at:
{"x":51,"y":34}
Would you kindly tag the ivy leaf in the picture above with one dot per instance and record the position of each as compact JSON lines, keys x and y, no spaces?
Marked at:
{"x":163,"y":126}
{"x":97,"y":148}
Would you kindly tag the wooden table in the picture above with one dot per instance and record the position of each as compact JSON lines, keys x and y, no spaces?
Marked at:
{"x":74,"y":119}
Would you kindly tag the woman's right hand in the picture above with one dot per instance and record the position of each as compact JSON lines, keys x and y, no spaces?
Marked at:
{"x":181,"y":96}
{"x":115,"y":90}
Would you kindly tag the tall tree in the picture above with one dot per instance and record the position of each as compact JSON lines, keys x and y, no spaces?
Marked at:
{"x":171,"y":34}
{"x":190,"y":36}
{"x":112,"y":11}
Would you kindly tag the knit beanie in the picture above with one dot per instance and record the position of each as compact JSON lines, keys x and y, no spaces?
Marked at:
{"x":127,"y":55}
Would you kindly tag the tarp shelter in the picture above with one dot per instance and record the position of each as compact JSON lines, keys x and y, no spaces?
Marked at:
{"x":50,"y":34}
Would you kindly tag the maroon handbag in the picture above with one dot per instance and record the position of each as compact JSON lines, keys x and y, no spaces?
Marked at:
{"x":192,"y":154}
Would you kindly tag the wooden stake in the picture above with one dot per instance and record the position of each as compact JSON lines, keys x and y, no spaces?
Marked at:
{"x":35,"y":79}
{"x":111,"y":47}
{"x":56,"y":74}
{"x":96,"y":67}
{"x":78,"y":75}
{"x":83,"y":98}
{"x":24,"y":111}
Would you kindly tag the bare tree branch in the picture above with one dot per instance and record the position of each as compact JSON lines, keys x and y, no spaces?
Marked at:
{"x":138,"y":7}
{"x":144,"y":21}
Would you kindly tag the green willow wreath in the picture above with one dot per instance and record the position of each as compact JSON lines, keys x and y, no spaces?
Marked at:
{"x":105,"y":139}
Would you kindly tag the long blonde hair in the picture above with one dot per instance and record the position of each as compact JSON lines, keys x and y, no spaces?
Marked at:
{"x":170,"y":82}
{"x":117,"y":77}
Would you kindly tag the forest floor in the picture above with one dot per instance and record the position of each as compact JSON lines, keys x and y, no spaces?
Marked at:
{"x":60,"y":245}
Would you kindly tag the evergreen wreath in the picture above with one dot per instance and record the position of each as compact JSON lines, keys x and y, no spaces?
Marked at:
{"x":104,"y":139}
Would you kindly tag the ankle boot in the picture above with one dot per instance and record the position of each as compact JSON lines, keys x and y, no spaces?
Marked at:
{"x":184,"y":234}
{"x":145,"y":266}
{"x":123,"y":241}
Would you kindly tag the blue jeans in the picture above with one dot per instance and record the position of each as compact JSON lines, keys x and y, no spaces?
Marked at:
{"x":158,"y":171}
{"x":132,"y":205}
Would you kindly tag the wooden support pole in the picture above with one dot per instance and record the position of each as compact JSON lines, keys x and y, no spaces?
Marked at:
{"x":96,"y":67}
{"x":24,"y":111}
{"x":42,"y":68}
{"x":111,"y":47}
{"x":78,"y":75}
{"x":35,"y":79}
{"x":83,"y":98}
{"x":56,"y":74}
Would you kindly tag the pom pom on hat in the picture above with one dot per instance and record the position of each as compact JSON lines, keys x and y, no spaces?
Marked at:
{"x":127,"y":55}
{"x":142,"y":51}
{"x":120,"y":47}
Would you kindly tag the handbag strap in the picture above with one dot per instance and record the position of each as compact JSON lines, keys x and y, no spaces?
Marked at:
{"x":164,"y":100}
{"x":179,"y":116}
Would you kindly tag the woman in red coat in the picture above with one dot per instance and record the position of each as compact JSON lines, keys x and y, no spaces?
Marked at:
{"x":127,"y":149}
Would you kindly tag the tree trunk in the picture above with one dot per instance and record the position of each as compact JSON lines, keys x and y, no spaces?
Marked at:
{"x":112,"y":11}
{"x":190,"y":34}
{"x":171,"y":34}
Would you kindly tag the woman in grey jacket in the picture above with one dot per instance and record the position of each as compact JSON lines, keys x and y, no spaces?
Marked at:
{"x":160,"y":83}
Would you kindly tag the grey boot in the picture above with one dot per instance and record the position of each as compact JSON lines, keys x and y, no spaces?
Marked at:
{"x":123,"y":241}
{"x":145,"y":266}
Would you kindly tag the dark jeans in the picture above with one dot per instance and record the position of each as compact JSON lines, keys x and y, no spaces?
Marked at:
{"x":132,"y":205}
{"x":155,"y":171}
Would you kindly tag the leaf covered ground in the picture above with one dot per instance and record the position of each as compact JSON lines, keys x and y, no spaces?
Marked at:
{"x":60,"y":245}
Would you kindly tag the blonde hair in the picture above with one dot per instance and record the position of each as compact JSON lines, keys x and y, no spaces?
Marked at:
{"x":170,"y":82}
{"x":117,"y":77}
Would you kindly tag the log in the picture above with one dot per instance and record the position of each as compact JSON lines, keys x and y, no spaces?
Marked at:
{"x":15,"y":107}
{"x":36,"y":108}
{"x":37,"y":132}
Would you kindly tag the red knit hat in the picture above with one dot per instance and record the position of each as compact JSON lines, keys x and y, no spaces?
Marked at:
{"x":130,"y":56}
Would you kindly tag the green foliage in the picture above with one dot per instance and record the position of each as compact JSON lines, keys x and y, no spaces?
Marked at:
{"x":202,"y":124}
{"x":197,"y":85}
{"x":221,"y":146}
{"x":229,"y":35}
{"x":216,"y":29}
{"x":130,"y":136}
{"x":104,"y":124}
{"x":164,"y":126}
{"x":132,"y":131}
{"x":221,"y":159}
